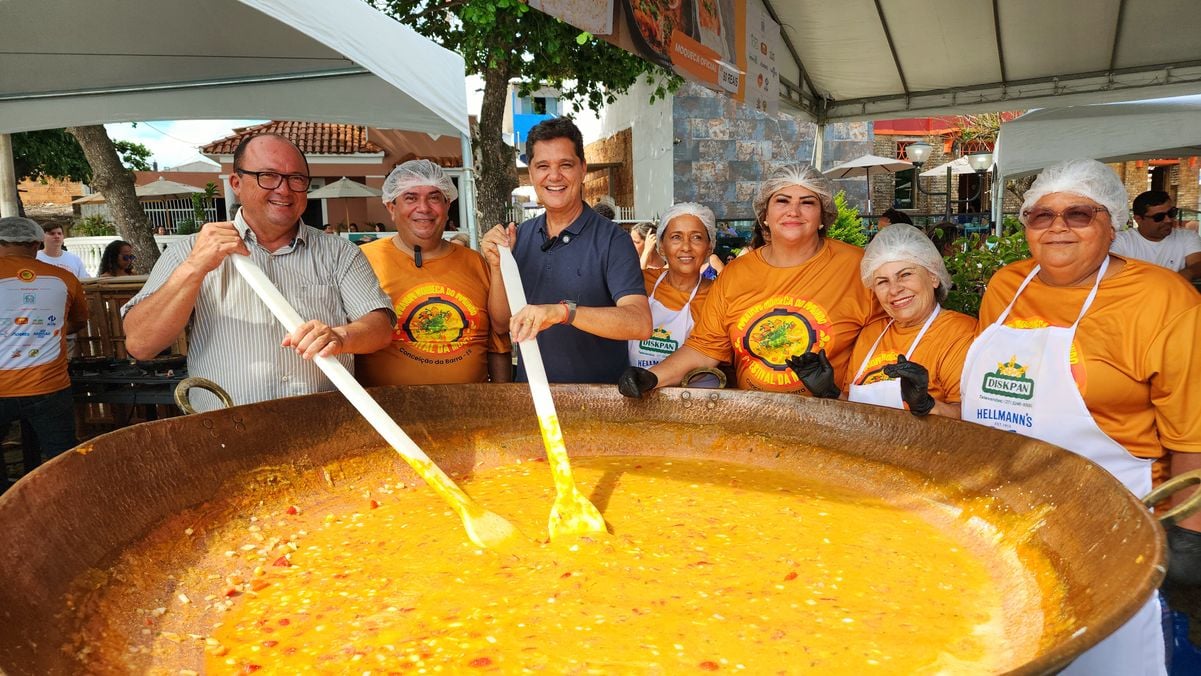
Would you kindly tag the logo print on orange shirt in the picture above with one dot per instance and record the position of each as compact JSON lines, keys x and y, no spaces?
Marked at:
{"x":1075,"y":357}
{"x":435,"y":320}
{"x":873,"y":372}
{"x":26,"y":275}
{"x":776,"y":329}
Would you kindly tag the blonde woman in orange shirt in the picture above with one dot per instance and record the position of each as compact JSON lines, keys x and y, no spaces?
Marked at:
{"x":799,"y":293}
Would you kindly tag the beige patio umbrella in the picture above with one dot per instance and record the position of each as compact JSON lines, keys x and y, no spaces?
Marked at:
{"x":867,"y":166}
{"x":155,"y":190}
{"x":343,"y":188}
{"x":165,"y":189}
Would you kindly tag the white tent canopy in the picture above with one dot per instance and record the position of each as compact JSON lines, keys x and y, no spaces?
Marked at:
{"x":879,"y":59}
{"x":68,"y":62}
{"x":1107,"y":132}
{"x":74,"y":63}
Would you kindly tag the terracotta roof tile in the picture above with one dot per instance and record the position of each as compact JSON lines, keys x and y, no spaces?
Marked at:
{"x":313,"y":138}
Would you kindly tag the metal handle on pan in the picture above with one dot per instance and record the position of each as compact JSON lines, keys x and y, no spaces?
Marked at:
{"x":187,"y":384}
{"x":721,"y":377}
{"x":1170,"y":488}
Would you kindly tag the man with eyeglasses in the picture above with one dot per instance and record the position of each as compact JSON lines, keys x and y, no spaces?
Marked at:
{"x":234,"y":339}
{"x":1157,"y":239}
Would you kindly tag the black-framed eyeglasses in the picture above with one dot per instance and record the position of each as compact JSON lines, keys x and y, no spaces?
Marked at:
{"x":1170,"y":213}
{"x":270,"y":180}
{"x":1079,"y":217}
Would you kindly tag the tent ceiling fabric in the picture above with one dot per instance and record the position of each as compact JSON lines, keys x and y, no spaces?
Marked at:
{"x":879,"y":59}
{"x":1107,"y":132}
{"x":68,"y":62}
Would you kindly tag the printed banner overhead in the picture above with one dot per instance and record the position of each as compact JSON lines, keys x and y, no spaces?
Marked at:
{"x":727,"y":45}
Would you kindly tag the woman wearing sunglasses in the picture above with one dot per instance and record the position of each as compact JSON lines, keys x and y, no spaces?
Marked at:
{"x":1093,"y":352}
{"x":117,"y":260}
{"x":1158,"y":238}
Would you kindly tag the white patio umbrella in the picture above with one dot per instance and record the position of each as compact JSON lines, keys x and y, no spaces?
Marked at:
{"x":958,"y":167}
{"x":343,"y":188}
{"x":162,"y":188}
{"x":867,"y":166}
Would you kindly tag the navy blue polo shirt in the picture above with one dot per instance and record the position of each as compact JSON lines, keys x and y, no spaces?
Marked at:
{"x":593,"y":263}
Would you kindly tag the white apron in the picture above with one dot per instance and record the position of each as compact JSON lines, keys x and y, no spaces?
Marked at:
{"x":671,"y":328}
{"x":885,"y":392}
{"x":1020,"y":380}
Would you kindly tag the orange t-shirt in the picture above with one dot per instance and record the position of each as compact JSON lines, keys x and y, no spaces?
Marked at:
{"x":442,"y":332}
{"x":1133,"y":356}
{"x":674,"y":299}
{"x":941,"y":351}
{"x":37,"y":301}
{"x":757,"y":315}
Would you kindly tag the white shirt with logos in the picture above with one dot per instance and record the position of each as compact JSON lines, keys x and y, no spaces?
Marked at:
{"x":1169,"y":252}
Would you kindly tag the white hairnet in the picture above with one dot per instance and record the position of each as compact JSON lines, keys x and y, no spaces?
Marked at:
{"x":703,"y":213}
{"x":797,"y":174}
{"x":904,"y":243}
{"x":1087,"y":178}
{"x":414,"y":173}
{"x":20,"y":230}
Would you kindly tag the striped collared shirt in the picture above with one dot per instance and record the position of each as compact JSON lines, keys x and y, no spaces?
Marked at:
{"x":235,"y":340}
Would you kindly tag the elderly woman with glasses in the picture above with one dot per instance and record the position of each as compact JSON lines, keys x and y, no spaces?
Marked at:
{"x":1094,"y":352}
{"x":799,"y":293}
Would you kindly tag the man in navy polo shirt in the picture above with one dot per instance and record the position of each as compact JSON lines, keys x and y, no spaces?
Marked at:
{"x":580,"y":271}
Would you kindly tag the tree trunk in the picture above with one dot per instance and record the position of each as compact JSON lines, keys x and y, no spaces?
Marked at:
{"x":497,"y":175}
{"x":115,"y":182}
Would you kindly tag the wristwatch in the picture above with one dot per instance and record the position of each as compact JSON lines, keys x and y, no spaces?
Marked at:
{"x":571,"y":306}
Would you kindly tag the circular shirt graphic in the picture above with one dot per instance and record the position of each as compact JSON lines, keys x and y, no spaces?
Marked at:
{"x":777,"y":335}
{"x":26,"y":275}
{"x":435,"y":320}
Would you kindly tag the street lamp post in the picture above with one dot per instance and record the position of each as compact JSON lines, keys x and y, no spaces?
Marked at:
{"x":918,"y":153}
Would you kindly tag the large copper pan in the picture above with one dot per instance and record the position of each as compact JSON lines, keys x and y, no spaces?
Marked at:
{"x":81,"y":510}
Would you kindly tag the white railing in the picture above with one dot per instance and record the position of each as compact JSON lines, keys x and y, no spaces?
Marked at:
{"x":519,"y":214}
{"x":165,"y":213}
{"x":91,"y":249}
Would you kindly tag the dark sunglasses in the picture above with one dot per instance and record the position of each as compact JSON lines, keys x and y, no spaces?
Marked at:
{"x":128,"y":257}
{"x":1170,"y":213}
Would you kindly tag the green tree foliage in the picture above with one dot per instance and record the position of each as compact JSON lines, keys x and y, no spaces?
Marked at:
{"x":974,"y":261}
{"x":504,"y":40}
{"x":53,"y":153}
{"x":93,"y":226}
{"x":847,"y":227}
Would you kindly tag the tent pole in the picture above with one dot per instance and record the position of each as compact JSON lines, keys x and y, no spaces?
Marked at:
{"x":467,"y":193}
{"x":8,"y":178}
{"x":998,"y":201}
{"x":819,"y":146}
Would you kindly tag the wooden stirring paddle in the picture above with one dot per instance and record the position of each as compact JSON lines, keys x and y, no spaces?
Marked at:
{"x":484,"y":528}
{"x":572,"y":513}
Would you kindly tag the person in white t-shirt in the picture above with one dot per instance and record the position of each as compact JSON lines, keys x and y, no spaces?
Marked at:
{"x":1157,"y":239}
{"x":54,"y":254}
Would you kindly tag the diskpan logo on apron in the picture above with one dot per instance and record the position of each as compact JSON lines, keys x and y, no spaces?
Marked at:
{"x":660,"y":342}
{"x":1009,"y":380}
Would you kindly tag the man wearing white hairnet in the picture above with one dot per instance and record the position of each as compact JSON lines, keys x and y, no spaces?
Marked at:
{"x":1093,"y":352}
{"x":40,"y":304}
{"x":234,"y":339}
{"x":439,"y":290}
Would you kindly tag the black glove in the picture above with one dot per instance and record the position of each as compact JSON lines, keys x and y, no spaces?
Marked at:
{"x":634,"y":381}
{"x":1184,"y":556}
{"x":815,"y":372}
{"x":915,"y":384}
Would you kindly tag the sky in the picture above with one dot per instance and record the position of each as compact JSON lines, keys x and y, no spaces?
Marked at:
{"x":173,"y":143}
